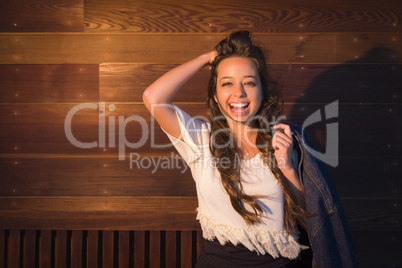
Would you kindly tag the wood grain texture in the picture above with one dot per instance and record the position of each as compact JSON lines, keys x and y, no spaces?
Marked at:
{"x":153,"y":48}
{"x":76,"y":248}
{"x":41,"y":16}
{"x":200,"y":242}
{"x":107,"y":251}
{"x":397,"y":112}
{"x":60,"y":249}
{"x":61,"y":177}
{"x":155,"y":249}
{"x":380,"y":177}
{"x":46,"y":122}
{"x":362,"y":213}
{"x":37,"y":83}
{"x":13,"y":246}
{"x":171,"y":249}
{"x":186,"y":249}
{"x":302,"y":83}
{"x":39,"y":129}
{"x":112,"y":204}
{"x":127,"y":81}
{"x":124,"y":249}
{"x":3,"y":248}
{"x":139,"y":248}
{"x":391,"y":247}
{"x":29,"y":250}
{"x":255,"y":15}
{"x":98,"y":221}
{"x":47,"y":132}
{"x":373,"y":214}
{"x":45,"y":248}
{"x":386,"y":255}
{"x":358,"y":127}
{"x":68,"y":178}
{"x":92,"y":248}
{"x":375,"y":48}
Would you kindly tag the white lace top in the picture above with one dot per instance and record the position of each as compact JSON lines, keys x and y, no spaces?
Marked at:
{"x":217,"y":217}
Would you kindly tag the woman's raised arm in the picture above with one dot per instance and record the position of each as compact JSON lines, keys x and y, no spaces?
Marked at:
{"x":158,"y":96}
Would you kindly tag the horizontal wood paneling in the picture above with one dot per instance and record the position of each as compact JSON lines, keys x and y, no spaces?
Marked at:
{"x":127,"y":81}
{"x":155,"y":48}
{"x":377,"y":177}
{"x":39,"y":128}
{"x":398,"y":127}
{"x":88,"y":177}
{"x":45,"y":83}
{"x":302,"y":83}
{"x":379,"y":248}
{"x":38,"y":220}
{"x":374,"y":214}
{"x":224,"y":16}
{"x":162,"y":48}
{"x":170,"y":213}
{"x":41,"y":16}
{"x":375,"y":48}
{"x":360,"y":128}
{"x":138,"y":205}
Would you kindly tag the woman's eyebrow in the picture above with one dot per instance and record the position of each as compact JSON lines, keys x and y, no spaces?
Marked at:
{"x":246,"y":76}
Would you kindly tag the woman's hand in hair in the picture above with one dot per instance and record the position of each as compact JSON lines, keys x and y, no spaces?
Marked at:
{"x":212,"y":55}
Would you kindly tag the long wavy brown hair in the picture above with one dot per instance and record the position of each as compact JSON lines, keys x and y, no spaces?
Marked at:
{"x":239,"y":44}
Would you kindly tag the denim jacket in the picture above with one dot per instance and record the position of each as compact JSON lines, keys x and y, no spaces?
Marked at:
{"x":328,"y":231}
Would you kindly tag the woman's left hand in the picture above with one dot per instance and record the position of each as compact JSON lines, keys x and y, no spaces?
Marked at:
{"x":283,"y":146}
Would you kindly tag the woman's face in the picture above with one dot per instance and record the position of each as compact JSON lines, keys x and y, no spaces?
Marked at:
{"x":238,"y":89}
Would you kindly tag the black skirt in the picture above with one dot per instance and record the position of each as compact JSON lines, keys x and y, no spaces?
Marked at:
{"x":213,"y":254}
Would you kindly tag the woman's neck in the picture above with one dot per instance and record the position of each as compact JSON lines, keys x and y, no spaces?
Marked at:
{"x":245,"y":137}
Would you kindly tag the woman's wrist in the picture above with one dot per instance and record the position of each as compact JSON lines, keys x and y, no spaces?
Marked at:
{"x":291,"y":175}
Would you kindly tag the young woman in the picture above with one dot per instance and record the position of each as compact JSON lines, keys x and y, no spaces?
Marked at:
{"x":249,"y":191}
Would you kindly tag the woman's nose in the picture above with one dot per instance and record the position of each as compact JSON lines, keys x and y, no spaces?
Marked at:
{"x":239,"y":91}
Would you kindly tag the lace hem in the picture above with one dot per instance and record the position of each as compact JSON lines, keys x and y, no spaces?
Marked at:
{"x":272,"y":242}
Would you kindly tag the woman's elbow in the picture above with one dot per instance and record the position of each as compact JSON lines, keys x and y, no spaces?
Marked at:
{"x":146,"y":98}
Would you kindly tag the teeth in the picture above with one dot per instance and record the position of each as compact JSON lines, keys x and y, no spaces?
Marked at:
{"x":239,"y":105}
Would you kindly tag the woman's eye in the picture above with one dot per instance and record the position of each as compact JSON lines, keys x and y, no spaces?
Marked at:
{"x":250,"y":83}
{"x":226,"y":84}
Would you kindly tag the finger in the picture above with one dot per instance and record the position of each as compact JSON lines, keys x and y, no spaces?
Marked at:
{"x":281,"y":139}
{"x":282,"y":145}
{"x":285,"y":127}
{"x":283,"y":136}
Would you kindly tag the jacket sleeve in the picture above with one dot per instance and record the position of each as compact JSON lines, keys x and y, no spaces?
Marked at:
{"x":328,"y":230}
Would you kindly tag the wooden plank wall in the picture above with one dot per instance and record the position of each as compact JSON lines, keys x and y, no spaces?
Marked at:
{"x":66,"y":205}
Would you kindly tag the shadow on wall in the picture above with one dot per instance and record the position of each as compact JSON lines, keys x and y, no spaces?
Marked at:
{"x":368,"y":90}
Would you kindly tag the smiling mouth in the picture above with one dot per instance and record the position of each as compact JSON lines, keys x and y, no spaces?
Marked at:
{"x":239,"y":108}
